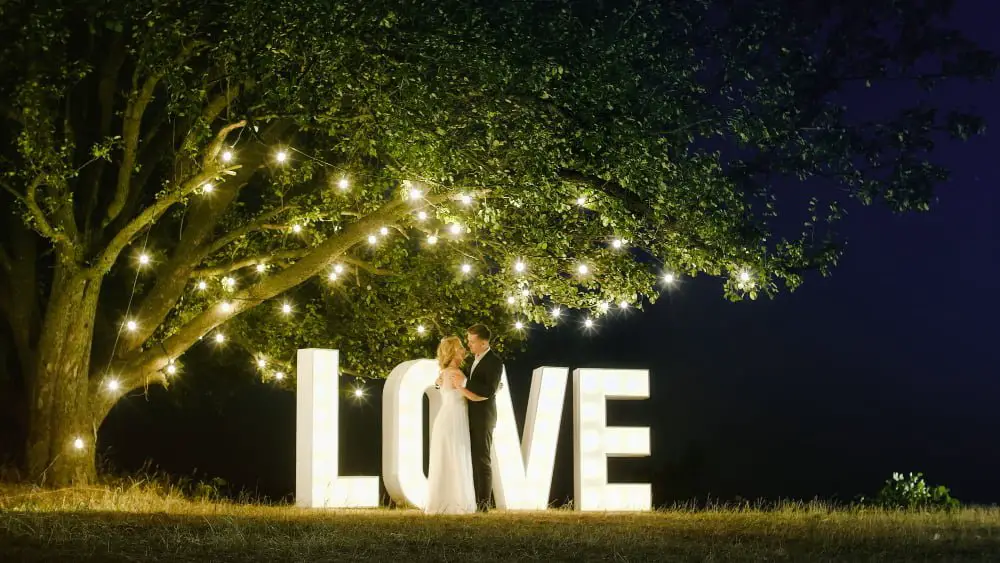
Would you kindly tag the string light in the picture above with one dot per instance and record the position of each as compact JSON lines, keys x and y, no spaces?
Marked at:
{"x":171,"y":369}
{"x":668,"y":278}
{"x":372,"y":239}
{"x":466,"y":199}
{"x":383,"y":231}
{"x":455,"y":229}
{"x":286,"y":308}
{"x":603,"y":306}
{"x":617,"y":243}
{"x":525,"y":292}
{"x":589,"y":323}
{"x":220,"y":338}
{"x":281,"y":156}
{"x":228,"y":282}
{"x":343,"y":183}
{"x":227,"y":156}
{"x":144,"y":259}
{"x":261,"y":268}
{"x":466,"y":268}
{"x":279,"y":375}
{"x":519,"y":266}
{"x":581,"y":201}
{"x":421,"y":329}
{"x":432,"y":239}
{"x":226,"y":307}
{"x":582,"y":269}
{"x":207,"y":188}
{"x":421,"y":215}
{"x":744,"y":276}
{"x":261,"y":363}
{"x":518,"y":325}
{"x":556,"y":311}
{"x":202,"y":286}
{"x":131,"y":326}
{"x":337,"y":268}
{"x":511,"y":300}
{"x":415,"y":193}
{"x":359,"y":392}
{"x":113,"y":384}
{"x":333,"y":276}
{"x":296,"y":228}
{"x":78,"y":443}
{"x":623,"y":305}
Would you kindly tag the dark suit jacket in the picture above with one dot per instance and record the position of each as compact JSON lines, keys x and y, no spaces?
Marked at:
{"x":484,"y":382}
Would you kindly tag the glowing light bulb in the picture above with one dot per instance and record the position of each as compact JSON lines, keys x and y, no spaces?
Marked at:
{"x":582,"y":269}
{"x":519,"y":266}
{"x":455,"y":229}
{"x":668,"y":278}
{"x":518,"y":325}
{"x":202,"y":286}
{"x":510,"y":300}
{"x":343,"y":183}
{"x":432,"y":239}
{"x":383,"y":231}
{"x":617,"y":243}
{"x":588,"y":323}
{"x":466,"y":199}
{"x":556,"y":311}
{"x":78,"y":443}
{"x":261,"y":268}
{"x":228,"y":282}
{"x":421,"y":329}
{"x":603,"y":306}
{"x":338,"y":268}
{"x":207,"y":188}
{"x":623,"y":305}
{"x":220,"y":338}
{"x":131,"y":326}
{"x":525,"y":292}
{"x":171,"y":369}
{"x":744,"y":276}
{"x":422,"y":215}
{"x":415,"y":193}
{"x":372,"y":239}
{"x":144,"y":259}
{"x":113,"y":384}
{"x":227,"y":156}
{"x":296,"y":228}
{"x":261,"y":363}
{"x":466,"y":268}
{"x":281,"y":156}
{"x":333,"y":276}
{"x":279,"y":375}
{"x":359,"y":392}
{"x":581,"y":200}
{"x":226,"y":307}
{"x":286,"y":308}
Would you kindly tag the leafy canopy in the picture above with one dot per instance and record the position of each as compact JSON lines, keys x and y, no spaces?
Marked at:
{"x":636,"y":138}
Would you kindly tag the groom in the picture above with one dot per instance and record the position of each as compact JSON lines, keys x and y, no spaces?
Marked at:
{"x":483,"y":379}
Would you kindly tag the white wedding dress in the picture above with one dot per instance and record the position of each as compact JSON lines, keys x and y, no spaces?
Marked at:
{"x":450,"y":487}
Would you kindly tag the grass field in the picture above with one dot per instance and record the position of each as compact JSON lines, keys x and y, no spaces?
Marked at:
{"x":133,"y":524}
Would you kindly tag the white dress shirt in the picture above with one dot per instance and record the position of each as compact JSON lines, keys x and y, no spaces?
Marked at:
{"x":476,"y":361}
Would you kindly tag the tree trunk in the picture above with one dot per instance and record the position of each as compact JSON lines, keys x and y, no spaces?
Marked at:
{"x":61,"y":431}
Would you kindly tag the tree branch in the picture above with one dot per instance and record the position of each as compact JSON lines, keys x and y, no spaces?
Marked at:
{"x":258,"y":223}
{"x":252,"y":261}
{"x":134,"y":110}
{"x":41,"y":222}
{"x":361,"y":264}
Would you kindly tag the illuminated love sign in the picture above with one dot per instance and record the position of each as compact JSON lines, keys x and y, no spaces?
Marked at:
{"x":522,"y":469}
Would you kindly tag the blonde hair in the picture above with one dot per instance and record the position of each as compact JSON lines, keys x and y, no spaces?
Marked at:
{"x":449,"y":347}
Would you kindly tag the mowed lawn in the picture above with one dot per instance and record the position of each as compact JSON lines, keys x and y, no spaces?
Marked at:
{"x":116,"y":525}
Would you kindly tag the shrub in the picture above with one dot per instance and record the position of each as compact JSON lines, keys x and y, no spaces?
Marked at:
{"x":912,"y":492}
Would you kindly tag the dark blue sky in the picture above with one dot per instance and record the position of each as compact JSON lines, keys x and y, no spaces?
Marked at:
{"x":891,"y":364}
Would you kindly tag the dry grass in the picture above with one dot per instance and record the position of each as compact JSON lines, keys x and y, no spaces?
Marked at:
{"x":139,"y":522}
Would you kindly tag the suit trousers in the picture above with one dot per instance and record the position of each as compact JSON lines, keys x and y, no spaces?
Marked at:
{"x":481,"y":436}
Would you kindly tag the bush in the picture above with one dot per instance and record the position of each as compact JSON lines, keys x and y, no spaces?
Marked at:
{"x":911,"y":492}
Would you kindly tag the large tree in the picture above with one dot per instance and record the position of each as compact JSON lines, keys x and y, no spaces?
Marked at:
{"x":177,"y":171}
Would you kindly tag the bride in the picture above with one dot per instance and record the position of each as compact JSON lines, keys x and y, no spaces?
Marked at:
{"x":449,"y":472}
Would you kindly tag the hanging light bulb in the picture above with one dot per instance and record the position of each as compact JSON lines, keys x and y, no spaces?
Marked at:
{"x":228,"y":282}
{"x":525,"y":292}
{"x":519,"y":266}
{"x":220,"y":338}
{"x":338,"y":268}
{"x":603,"y":306}
{"x":668,"y":278}
{"x":511,"y":300}
{"x":226,"y":307}
{"x":518,"y":325}
{"x":415,"y":193}
{"x":281,"y":156}
{"x":421,"y":329}
{"x":279,"y":375}
{"x":432,"y":239}
{"x":466,"y":199}
{"x":343,"y":183}
{"x":78,"y":444}
{"x":372,"y":239}
{"x":455,"y":229}
{"x":131,"y":326}
{"x":623,"y":305}
{"x":261,"y":363}
{"x":333,"y":276}
{"x":286,"y":308}
{"x":207,"y":188}
{"x":202,"y":286}
{"x":466,"y":268}
{"x":296,"y":228}
{"x":744,"y":276}
{"x":588,"y":323}
{"x":171,"y":369}
{"x":261,"y":268}
{"x":582,"y":269}
{"x":422,"y":215}
{"x":359,"y":392}
{"x":383,"y":231}
{"x":144,"y":259}
{"x":581,"y":201}
{"x":113,"y":384}
{"x":227,"y":156}
{"x":556,"y":311}
{"x":617,"y":243}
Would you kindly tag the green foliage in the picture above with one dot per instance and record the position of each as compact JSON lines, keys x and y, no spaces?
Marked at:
{"x":672,"y":121}
{"x":911,"y":492}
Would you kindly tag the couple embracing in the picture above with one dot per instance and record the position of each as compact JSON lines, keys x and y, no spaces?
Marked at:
{"x":459,"y":474}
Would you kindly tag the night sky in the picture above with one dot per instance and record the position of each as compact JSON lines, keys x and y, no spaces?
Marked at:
{"x":891,"y":364}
